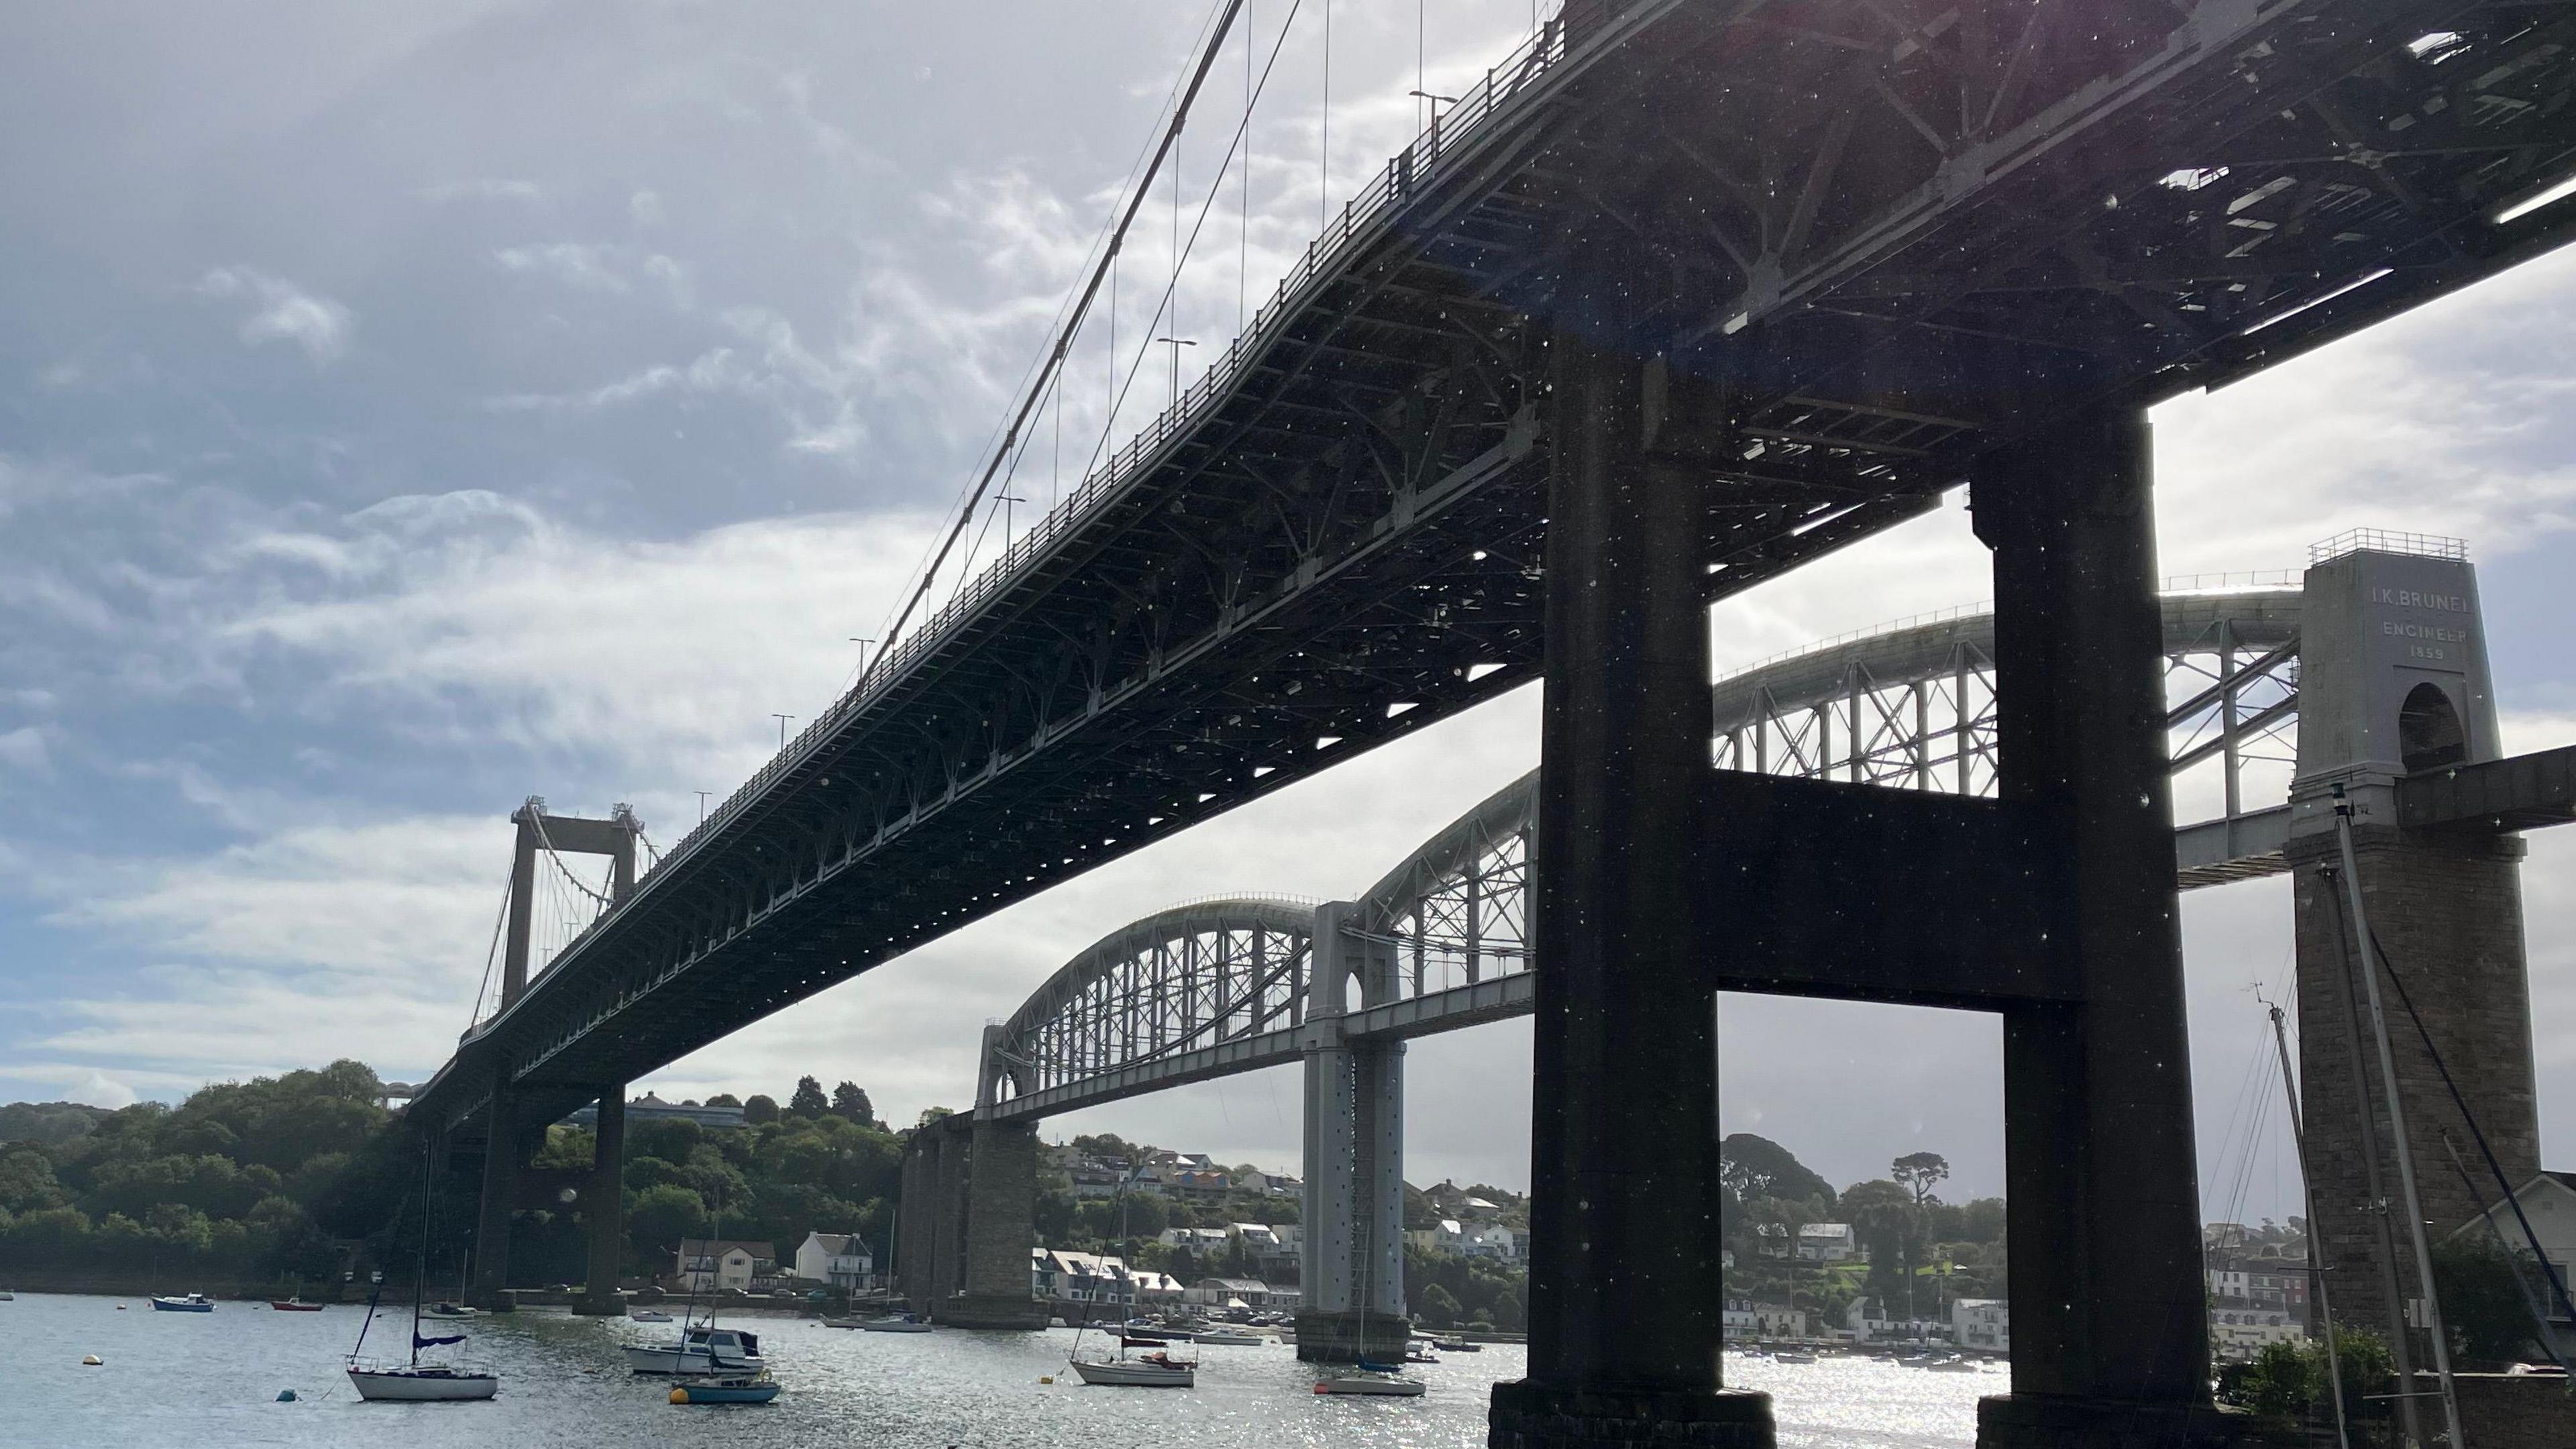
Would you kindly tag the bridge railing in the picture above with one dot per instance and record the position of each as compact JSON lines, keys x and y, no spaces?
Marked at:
{"x":1404,"y":176}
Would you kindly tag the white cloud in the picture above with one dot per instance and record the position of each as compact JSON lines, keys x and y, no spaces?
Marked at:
{"x":576,"y":264}
{"x":24,"y":748}
{"x":79,"y":1084}
{"x":283,"y":312}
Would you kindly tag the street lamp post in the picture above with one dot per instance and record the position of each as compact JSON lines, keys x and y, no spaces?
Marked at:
{"x":783,"y":720}
{"x":1177,"y":344}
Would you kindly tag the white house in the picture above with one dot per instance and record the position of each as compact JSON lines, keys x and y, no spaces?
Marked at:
{"x":1079,"y":1277}
{"x":1444,"y":1236}
{"x":2549,"y":1203}
{"x":1492,"y":1240}
{"x":2240,"y":1333}
{"x":1744,"y":1318}
{"x":723,"y":1263}
{"x":1826,"y":1243}
{"x":1228,"y":1293}
{"x":1982,"y":1323}
{"x":839,"y":1259}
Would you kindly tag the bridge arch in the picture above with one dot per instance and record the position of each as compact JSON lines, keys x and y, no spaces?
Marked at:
{"x":1195,"y":990}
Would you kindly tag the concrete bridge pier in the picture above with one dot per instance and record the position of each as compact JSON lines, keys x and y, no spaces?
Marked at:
{"x":1353,"y":1267}
{"x":506,"y":1149}
{"x":2110,"y":1340}
{"x":931,"y":1226}
{"x":1624,"y":1285}
{"x":913,"y":1233}
{"x":1001,"y":1193}
{"x":603,"y":1207}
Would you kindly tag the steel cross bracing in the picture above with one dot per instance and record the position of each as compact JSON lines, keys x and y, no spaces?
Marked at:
{"x":1877,"y":238}
{"x":1455,"y":912}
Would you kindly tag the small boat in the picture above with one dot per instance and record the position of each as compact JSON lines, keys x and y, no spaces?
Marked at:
{"x":1371,"y":1379}
{"x":192,"y":1303}
{"x":410,"y":1381}
{"x":649,"y":1315}
{"x":445,"y":1310}
{"x":1787,"y":1357}
{"x":420,"y":1383}
{"x":7,"y":1297}
{"x":895,"y":1323}
{"x":294,"y":1305}
{"x":1456,"y":1345}
{"x":1229,"y":1338}
{"x":700,"y":1350}
{"x":1951,"y":1366}
{"x":1156,"y":1370}
{"x":757,"y":1388}
{"x":1416,"y":1353}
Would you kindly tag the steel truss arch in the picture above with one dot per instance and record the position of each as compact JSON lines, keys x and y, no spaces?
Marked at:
{"x":1155,"y":1001}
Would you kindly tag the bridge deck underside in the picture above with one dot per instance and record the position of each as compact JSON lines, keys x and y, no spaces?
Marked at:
{"x":1878,"y":238}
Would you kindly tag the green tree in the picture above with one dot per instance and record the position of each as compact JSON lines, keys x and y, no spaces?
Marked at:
{"x":1507,"y":1312}
{"x":1919,"y":1173}
{"x":659,"y":1217}
{"x":1753,"y":1166}
{"x":2483,"y":1299}
{"x":851,"y":1104}
{"x":808,"y":1099}
{"x":1439,"y":1307}
{"x":724,"y":1099}
{"x":759,"y":1110}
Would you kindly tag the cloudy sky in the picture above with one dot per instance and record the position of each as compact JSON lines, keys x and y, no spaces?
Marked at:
{"x":404,"y":411}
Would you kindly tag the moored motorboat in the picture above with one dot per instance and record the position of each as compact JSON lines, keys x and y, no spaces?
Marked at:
{"x":1787,"y":1357}
{"x":188,"y":1303}
{"x":700,"y":1350}
{"x":648,"y":1315}
{"x":757,"y":1388}
{"x":294,"y":1305}
{"x":1456,"y":1345}
{"x":447,"y":1311}
{"x":1228,"y":1338}
{"x":895,"y":1323}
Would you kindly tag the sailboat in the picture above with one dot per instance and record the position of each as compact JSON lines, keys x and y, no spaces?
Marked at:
{"x":1383,"y":1380}
{"x":412,"y":1381}
{"x":1152,"y":1370}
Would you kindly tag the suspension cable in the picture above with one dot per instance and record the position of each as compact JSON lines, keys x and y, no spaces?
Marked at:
{"x":1064,"y":338}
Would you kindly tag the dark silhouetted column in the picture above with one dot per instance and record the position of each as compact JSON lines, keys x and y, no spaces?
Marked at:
{"x":604,"y":1205}
{"x":1001,"y":1203}
{"x":504,"y":1153}
{"x":2109,"y":1332}
{"x":1624,"y":1292}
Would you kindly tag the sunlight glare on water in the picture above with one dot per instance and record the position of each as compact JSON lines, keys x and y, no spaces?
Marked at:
{"x":211,"y":1381}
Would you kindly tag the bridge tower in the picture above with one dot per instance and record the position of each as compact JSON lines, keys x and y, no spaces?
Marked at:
{"x":1353,"y":1269}
{"x":510,"y":1140}
{"x":999,"y":1200}
{"x":2393,"y":683}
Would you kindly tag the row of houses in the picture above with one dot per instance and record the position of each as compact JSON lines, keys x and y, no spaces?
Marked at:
{"x":1061,"y":1275}
{"x":1469,"y":1240}
{"x":744,"y":1265}
{"x":1188,"y":1175}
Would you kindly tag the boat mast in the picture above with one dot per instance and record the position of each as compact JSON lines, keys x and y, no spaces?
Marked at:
{"x":2317,"y":1300}
{"x":420,"y":1269}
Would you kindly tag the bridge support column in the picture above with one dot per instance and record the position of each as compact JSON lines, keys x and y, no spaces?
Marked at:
{"x":603,"y":1206}
{"x":947,"y":1235}
{"x":505,"y":1152}
{"x":1001,"y":1197}
{"x":1352,"y":1269}
{"x":2393,"y":680}
{"x":2110,"y":1337}
{"x":1624,"y":1286}
{"x":913,"y":1232}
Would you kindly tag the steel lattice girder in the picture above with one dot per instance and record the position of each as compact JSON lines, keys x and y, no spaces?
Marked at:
{"x":1884,"y":237}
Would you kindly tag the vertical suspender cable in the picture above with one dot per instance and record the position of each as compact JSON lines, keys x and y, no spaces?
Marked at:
{"x":1243,"y":221}
{"x":1324,"y":151}
{"x":2400,"y":1138}
{"x":1105,"y":268}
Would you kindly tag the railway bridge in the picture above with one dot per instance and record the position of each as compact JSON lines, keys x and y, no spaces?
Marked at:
{"x":1681,"y":295}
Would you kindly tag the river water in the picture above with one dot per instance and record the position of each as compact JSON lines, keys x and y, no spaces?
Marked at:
{"x":210,"y":1381}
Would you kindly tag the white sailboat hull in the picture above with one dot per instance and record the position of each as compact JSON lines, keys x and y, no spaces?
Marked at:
{"x":1134,"y":1375}
{"x":671,"y":1359}
{"x":1370,"y":1384}
{"x":422,"y":1386}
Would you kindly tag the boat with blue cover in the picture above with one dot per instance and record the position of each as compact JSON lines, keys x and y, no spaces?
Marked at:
{"x":189,"y":1303}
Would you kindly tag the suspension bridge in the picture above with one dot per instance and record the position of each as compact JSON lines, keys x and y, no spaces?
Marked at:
{"x":1678,"y":296}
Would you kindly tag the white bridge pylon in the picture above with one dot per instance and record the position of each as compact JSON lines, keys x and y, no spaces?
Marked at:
{"x":1226,"y":984}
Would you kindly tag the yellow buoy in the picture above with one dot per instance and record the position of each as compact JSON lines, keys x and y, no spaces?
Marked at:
{"x":89,"y":1360}
{"x":679,"y":1396}
{"x":1046,"y":1378}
